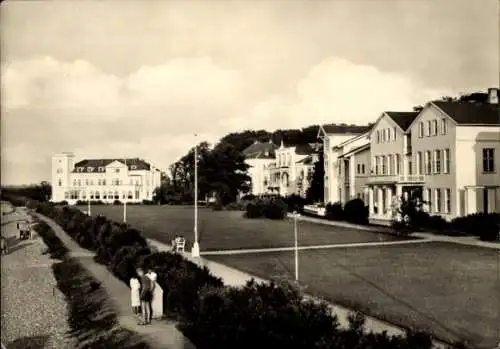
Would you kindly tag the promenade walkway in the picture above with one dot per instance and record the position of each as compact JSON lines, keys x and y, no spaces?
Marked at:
{"x":161,"y":334}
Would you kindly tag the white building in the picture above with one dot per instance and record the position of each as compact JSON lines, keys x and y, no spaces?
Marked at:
{"x":447,"y":155}
{"x":334,"y":136}
{"x":259,"y":156}
{"x":131,"y":180}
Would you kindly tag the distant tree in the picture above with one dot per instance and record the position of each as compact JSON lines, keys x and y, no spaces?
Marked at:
{"x":418,"y":108}
{"x":316,"y":192}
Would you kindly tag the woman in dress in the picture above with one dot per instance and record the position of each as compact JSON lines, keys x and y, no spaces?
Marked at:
{"x":154,"y":290}
{"x":134,"y":294}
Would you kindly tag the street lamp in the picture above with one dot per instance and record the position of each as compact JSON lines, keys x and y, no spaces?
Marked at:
{"x":295,"y":216}
{"x":195,"y":251}
{"x":125,"y":200}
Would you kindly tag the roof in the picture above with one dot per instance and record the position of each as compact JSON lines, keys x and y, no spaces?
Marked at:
{"x":260,"y":150}
{"x":308,"y":160}
{"x":356,"y":150}
{"x":345,"y":129}
{"x":94,"y":164}
{"x":303,"y":149}
{"x":402,"y":118}
{"x":470,"y":113}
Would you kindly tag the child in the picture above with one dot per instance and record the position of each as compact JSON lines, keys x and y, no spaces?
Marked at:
{"x":145,"y":296}
{"x":134,"y":294}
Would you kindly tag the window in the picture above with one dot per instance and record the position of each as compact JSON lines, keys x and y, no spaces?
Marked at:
{"x":427,"y":159}
{"x":84,"y":195}
{"x":79,"y":183}
{"x":89,"y":169}
{"x":101,"y":169}
{"x":98,"y":182}
{"x":394,"y":134}
{"x":74,"y":182}
{"x":434,"y":127}
{"x":410,"y":167}
{"x":447,"y":200}
{"x":446,"y":161}
{"x":363,"y":168}
{"x":437,"y":194}
{"x":97,"y":195}
{"x":378,"y":136}
{"x":123,"y":195}
{"x":59,"y":182}
{"x":66,"y":195}
{"x":437,"y":159}
{"x":117,"y":195}
{"x":488,"y":160}
{"x":91,"y":182}
{"x":104,"y":195}
{"x":110,"y":194}
{"x":358,"y":169}
{"x":428,"y":129}
{"x":137,"y":194}
{"x":390,"y":165}
{"x":117,"y":170}
{"x":420,"y":129}
{"x":59,"y":170}
{"x":91,"y":195}
{"x":86,"y":182}
{"x":398,"y":164}
{"x":377,"y":165}
{"x":420,"y":163}
{"x":130,"y":196}
{"x":134,"y":167}
{"x":103,"y":182}
{"x":444,"y":126}
{"x":384,"y":164}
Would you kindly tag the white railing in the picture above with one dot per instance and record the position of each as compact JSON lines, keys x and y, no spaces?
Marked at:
{"x":318,"y":211}
{"x":396,"y":179}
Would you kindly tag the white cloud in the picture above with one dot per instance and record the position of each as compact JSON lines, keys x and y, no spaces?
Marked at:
{"x":51,"y":106}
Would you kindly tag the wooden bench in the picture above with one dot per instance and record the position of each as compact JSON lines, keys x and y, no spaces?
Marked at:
{"x":179,"y":244}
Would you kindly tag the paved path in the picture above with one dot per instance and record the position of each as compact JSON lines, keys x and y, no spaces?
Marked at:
{"x":161,"y":334}
{"x":313,"y":247}
{"x":463,"y":240}
{"x":237,"y":278}
{"x":33,"y":310}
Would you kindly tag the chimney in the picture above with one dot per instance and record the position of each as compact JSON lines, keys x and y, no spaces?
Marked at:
{"x":493,"y":95}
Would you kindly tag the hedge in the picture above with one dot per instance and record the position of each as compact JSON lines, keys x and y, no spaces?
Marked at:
{"x":273,"y":208}
{"x":216,"y":316}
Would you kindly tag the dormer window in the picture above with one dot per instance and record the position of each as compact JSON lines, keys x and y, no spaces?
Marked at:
{"x":101,"y":169}
{"x":89,"y":169}
{"x":133,"y":167}
{"x":117,"y":170}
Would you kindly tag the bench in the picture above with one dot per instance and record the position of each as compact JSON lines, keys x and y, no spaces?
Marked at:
{"x":179,"y":244}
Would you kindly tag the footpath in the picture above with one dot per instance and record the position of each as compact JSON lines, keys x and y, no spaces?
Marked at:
{"x":462,"y":240}
{"x":160,"y":334}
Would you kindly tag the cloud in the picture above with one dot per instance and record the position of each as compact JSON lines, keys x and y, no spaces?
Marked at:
{"x":52,"y":106}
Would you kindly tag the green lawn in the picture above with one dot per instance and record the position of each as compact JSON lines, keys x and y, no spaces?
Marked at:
{"x":448,"y":289}
{"x":229,"y":229}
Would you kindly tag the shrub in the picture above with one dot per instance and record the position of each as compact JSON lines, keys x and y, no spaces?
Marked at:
{"x":148,"y":202}
{"x":484,"y":225}
{"x":237,"y":206}
{"x":275,"y":209}
{"x":436,"y":223}
{"x":248,"y":197}
{"x":334,"y":211}
{"x":255,"y":209}
{"x":217,"y":206}
{"x":117,"y":202}
{"x":295,"y":203}
{"x":55,"y":246}
{"x":355,"y":211}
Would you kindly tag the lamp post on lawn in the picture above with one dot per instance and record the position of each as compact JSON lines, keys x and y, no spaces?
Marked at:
{"x":295,"y":216}
{"x":125,"y":200}
{"x":88,"y":208}
{"x":195,"y":251}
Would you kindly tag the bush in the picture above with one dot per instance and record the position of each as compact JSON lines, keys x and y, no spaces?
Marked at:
{"x":211,"y":315}
{"x":148,"y":202}
{"x":334,"y":211}
{"x":217,"y":206}
{"x":484,"y":225}
{"x":295,"y":203}
{"x":355,"y":211}
{"x":248,"y":197}
{"x":237,"y":206}
{"x":255,"y":209}
{"x":436,"y":223}
{"x":55,"y":246}
{"x":117,"y":202}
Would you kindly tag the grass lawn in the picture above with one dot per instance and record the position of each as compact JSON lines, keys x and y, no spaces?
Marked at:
{"x":222,"y":230}
{"x":447,"y":289}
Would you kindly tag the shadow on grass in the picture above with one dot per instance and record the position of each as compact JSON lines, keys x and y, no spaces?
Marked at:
{"x":35,"y":342}
{"x":91,"y":316}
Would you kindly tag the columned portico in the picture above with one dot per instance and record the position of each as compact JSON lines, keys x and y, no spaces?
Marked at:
{"x":371,"y":201}
{"x":482,"y":199}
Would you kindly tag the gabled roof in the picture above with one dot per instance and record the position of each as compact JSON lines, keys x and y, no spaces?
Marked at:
{"x":94,"y":164}
{"x":308,"y":160}
{"x":331,"y":129}
{"x":402,"y":118}
{"x":260,"y":150}
{"x":356,"y":150}
{"x":350,"y":140}
{"x":470,"y":113}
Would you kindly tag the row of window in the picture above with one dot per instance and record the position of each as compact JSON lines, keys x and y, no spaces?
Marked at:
{"x":438,"y":200}
{"x":386,"y":135}
{"x":433,"y":162}
{"x":99,"y":169}
{"x":82,"y":195}
{"x":90,"y":182}
{"x":430,"y":128}
{"x":387,"y":164}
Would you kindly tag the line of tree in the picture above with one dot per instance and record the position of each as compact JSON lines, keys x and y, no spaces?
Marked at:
{"x":40,"y":192}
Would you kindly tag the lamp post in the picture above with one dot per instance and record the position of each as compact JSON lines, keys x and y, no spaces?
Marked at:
{"x":295,"y":216}
{"x":88,"y":208}
{"x":195,"y":251}
{"x":125,"y":200}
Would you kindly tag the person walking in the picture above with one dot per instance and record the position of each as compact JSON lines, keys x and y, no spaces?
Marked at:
{"x":154,"y":296}
{"x":145,"y":296}
{"x":135,"y":298}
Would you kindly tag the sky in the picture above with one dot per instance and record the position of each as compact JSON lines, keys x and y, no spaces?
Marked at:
{"x":105,"y":79}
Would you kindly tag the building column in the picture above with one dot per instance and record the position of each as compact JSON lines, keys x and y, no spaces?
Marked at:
{"x":388,"y":201}
{"x":399,"y":192}
{"x":471,"y":200}
{"x":370,"y":201}
{"x":491,"y":200}
{"x":352,"y":177}
{"x":380,"y":202}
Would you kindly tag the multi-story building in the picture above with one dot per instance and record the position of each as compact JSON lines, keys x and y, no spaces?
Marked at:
{"x":131,"y":180}
{"x":259,"y":156}
{"x":333,"y":136}
{"x":282,"y":170}
{"x":446,"y":155}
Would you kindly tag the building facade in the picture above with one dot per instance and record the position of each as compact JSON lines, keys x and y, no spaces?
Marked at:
{"x":283,"y":170}
{"x":107,"y":180}
{"x":445,"y":155}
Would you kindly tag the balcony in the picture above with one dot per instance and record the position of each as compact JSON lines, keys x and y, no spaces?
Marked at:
{"x":393,"y":179}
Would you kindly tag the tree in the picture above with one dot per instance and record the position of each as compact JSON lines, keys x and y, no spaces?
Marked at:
{"x":316,"y":192}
